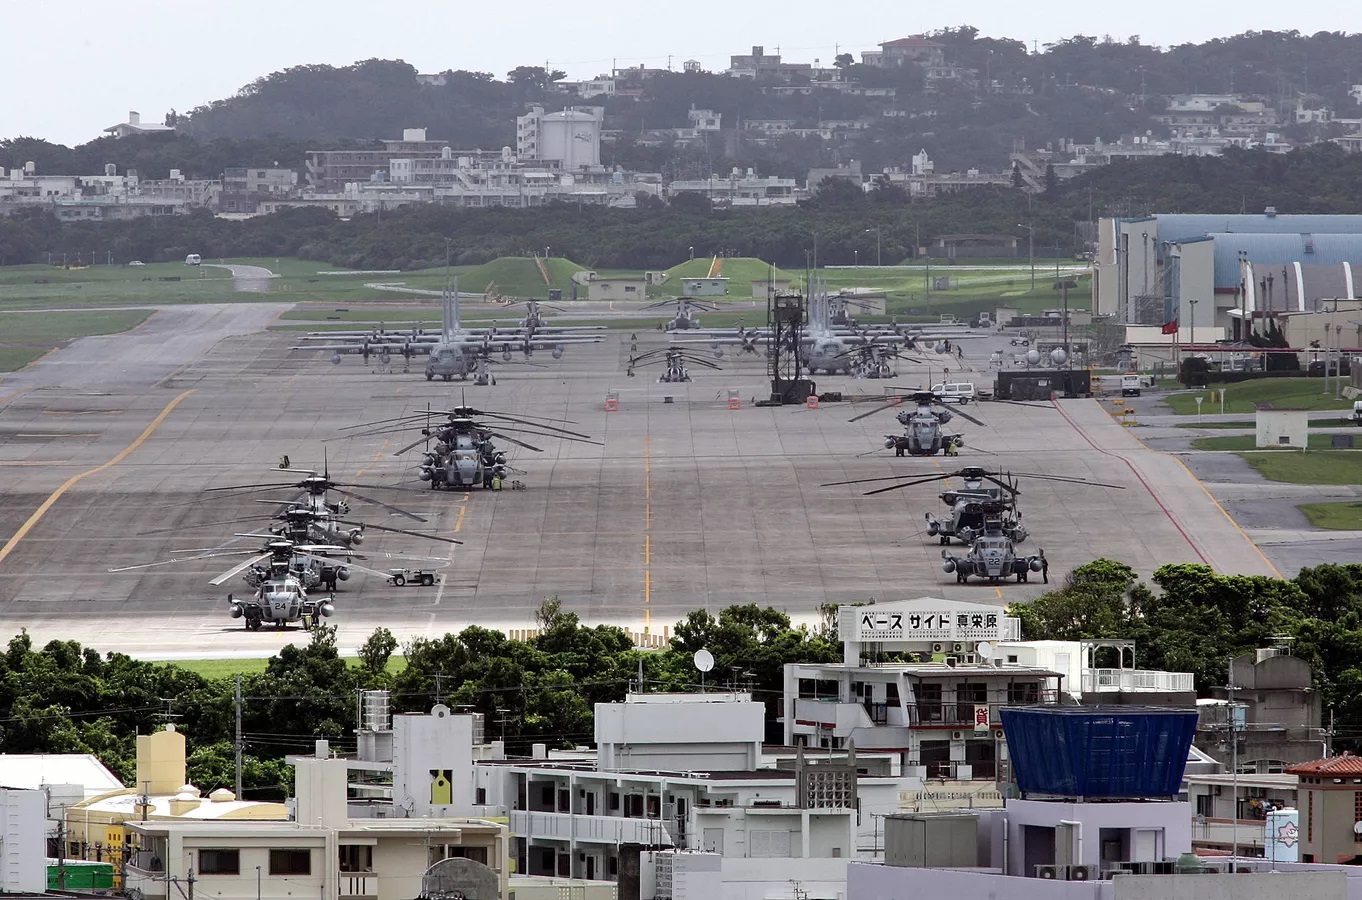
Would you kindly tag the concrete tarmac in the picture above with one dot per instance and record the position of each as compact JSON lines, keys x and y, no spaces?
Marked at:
{"x":686,"y":503}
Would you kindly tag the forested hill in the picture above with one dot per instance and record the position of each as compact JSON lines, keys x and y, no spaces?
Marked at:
{"x":1321,"y":179}
{"x":1080,"y":88}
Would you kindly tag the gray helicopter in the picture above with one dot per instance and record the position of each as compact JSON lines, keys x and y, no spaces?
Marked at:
{"x":463,"y":454}
{"x":674,"y":359}
{"x":987,"y":519}
{"x":924,"y":425}
{"x":685,"y":319}
{"x":992,"y":556}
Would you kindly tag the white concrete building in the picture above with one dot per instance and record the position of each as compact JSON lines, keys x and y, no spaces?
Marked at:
{"x":741,"y":188}
{"x":23,"y":840}
{"x":571,"y":138}
{"x":135,"y":125}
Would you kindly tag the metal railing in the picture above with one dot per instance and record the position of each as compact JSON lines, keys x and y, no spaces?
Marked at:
{"x":1101,"y":680}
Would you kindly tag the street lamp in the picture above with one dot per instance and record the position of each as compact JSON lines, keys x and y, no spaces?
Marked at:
{"x":856,"y":258}
{"x":1192,"y":337}
{"x":1030,"y":251}
{"x":876,"y":229}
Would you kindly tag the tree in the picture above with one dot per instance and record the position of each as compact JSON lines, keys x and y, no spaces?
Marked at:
{"x":377,"y":650}
{"x":1093,"y":603}
{"x":1051,"y":180}
{"x":536,"y":77}
{"x":1018,"y":181}
{"x":844,"y":60}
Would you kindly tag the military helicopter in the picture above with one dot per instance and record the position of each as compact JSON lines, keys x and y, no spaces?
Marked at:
{"x":872,"y":360}
{"x":675,"y":359}
{"x":924,"y":425}
{"x":685,"y":319}
{"x":463,"y":454}
{"x":992,"y":556}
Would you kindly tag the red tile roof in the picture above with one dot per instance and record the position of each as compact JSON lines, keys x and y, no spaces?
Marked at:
{"x":1343,"y":766}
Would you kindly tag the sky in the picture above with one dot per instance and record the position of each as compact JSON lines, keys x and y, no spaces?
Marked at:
{"x":74,"y":67}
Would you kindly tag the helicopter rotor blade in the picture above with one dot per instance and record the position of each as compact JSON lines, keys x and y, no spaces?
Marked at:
{"x":511,"y":440}
{"x":917,"y":479}
{"x":420,"y":534}
{"x":238,"y":569}
{"x":348,"y":563}
{"x":387,"y":506}
{"x":968,"y":418}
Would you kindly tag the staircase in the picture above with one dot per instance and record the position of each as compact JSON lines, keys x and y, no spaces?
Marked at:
{"x":715,"y":268}
{"x":543,"y":269}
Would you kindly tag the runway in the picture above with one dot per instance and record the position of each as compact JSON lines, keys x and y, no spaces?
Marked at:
{"x":686,"y":503}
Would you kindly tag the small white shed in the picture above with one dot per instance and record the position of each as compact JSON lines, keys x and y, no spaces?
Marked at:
{"x":1283,"y":428}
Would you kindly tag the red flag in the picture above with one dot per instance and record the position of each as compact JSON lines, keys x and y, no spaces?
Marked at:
{"x":1170,"y":327}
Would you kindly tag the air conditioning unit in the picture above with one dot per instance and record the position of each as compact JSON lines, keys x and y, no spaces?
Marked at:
{"x":959,"y":648}
{"x":1050,"y":873}
{"x":998,"y":734}
{"x":1081,"y":873}
{"x":1163,"y":867}
{"x":957,"y":735}
{"x":970,"y":659}
{"x":938,"y":648}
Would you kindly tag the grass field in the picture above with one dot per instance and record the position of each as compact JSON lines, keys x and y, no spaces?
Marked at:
{"x":49,"y":287}
{"x":1283,"y":393}
{"x":1245,"y":423}
{"x":25,"y":336}
{"x":1320,"y":467}
{"x":227,"y":668}
{"x":1337,"y":516}
{"x":1250,"y":442}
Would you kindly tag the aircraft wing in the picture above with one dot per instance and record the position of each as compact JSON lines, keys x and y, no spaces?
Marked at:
{"x":373,"y":349}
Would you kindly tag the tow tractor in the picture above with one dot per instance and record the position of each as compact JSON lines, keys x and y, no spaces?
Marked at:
{"x":403,"y":577}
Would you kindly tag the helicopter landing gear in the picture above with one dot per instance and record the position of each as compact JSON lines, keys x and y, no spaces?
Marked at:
{"x":945,"y":540}
{"x":279,"y":624}
{"x":446,"y":377}
{"x":960,"y":577}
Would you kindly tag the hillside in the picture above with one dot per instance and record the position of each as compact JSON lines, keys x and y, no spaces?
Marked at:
{"x":519,"y":276}
{"x":740,"y":272}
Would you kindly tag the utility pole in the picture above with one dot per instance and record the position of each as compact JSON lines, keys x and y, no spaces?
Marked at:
{"x":1234,"y":768}
{"x":236,"y":702}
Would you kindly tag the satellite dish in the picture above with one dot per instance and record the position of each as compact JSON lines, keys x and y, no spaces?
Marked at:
{"x":985,"y":650}
{"x":704,"y":660}
{"x":1357,"y":828}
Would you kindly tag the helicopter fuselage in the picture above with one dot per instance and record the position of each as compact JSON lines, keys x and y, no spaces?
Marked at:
{"x":280,"y":599}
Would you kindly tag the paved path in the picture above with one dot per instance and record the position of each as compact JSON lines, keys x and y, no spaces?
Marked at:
{"x":1200,"y":519}
{"x":247,"y":278}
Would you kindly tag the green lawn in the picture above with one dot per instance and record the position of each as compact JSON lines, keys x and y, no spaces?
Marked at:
{"x":1246,"y":423}
{"x":1250,"y":442}
{"x":227,"y":668}
{"x":25,"y":336}
{"x":49,"y":287}
{"x":1342,"y":516}
{"x":1320,"y":467}
{"x":1283,"y":393}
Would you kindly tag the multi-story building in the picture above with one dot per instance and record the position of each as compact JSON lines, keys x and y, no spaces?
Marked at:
{"x":331,"y":170}
{"x":135,"y":125}
{"x":243,"y":188}
{"x":1330,"y":805}
{"x":1272,"y":709}
{"x":739,"y":188}
{"x":917,"y":49}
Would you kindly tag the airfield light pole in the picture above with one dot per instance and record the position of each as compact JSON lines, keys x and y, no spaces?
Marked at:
{"x":876,"y":229}
{"x":1031,"y":251}
{"x":856,"y":259}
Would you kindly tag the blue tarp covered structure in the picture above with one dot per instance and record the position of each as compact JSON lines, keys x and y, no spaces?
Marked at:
{"x":1099,"y":752}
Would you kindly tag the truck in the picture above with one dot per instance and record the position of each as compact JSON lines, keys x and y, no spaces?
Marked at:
{"x":1130,"y":385}
{"x":982,"y":320}
{"x":404,"y":577}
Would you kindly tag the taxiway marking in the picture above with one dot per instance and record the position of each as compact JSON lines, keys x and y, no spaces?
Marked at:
{"x":4,"y":401}
{"x":449,"y":557}
{"x":66,"y":485}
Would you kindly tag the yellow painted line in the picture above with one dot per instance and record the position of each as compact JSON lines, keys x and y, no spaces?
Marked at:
{"x":15,"y":395}
{"x":647,"y":537}
{"x":47,"y":504}
{"x":377,"y":457}
{"x":39,"y":359}
{"x":458,"y":523}
{"x":999,"y":591}
{"x":1229,"y":518}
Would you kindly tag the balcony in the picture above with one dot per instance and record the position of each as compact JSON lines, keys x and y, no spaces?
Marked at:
{"x":357,"y":884}
{"x":1135,"y":680}
{"x":960,"y":714}
{"x":593,"y":829}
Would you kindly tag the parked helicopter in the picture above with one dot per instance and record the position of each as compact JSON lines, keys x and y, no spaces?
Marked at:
{"x":980,"y":514}
{"x":675,"y":360}
{"x":992,"y":555}
{"x":463,"y":454}
{"x":685,"y":319}
{"x":924,"y":425}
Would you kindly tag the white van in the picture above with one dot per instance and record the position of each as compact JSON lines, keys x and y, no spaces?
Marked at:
{"x":193,"y":259}
{"x":1130,"y":385}
{"x":959,"y":392}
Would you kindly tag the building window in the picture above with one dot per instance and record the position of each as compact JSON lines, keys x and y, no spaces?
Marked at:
{"x":219,"y":862}
{"x":290,"y":862}
{"x":356,"y":858}
{"x":480,"y":797}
